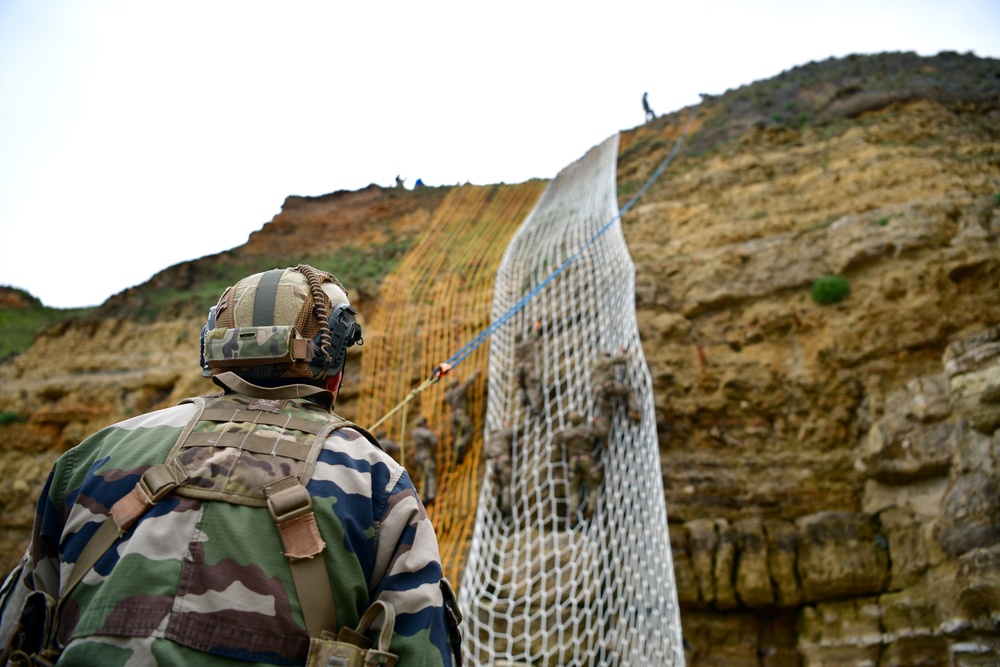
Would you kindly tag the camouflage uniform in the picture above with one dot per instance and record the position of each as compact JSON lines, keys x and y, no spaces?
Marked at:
{"x":528,"y":377}
{"x":498,"y":452}
{"x":586,"y":472}
{"x":426,"y":443}
{"x":200,"y":581}
{"x":461,"y":426}
{"x":608,"y":387}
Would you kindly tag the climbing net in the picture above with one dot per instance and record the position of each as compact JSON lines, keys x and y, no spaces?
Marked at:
{"x":437,"y":299}
{"x":543,"y":585}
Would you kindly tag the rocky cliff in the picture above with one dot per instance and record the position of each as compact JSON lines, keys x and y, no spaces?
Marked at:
{"x":831,"y":469}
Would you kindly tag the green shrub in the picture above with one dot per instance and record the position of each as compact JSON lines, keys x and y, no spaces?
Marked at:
{"x":830,"y":289}
{"x":996,"y":199}
{"x":10,"y":417}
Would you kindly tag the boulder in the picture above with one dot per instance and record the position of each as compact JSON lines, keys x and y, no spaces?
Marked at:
{"x":910,"y":442}
{"x":908,"y":550}
{"x":970,"y":514}
{"x":703,"y":539}
{"x":841,"y":555}
{"x":840,"y":634}
{"x":684,"y":576}
{"x":781,"y":556}
{"x":725,"y":561}
{"x":972,"y":366}
{"x":978,"y":580}
{"x":753,"y":579}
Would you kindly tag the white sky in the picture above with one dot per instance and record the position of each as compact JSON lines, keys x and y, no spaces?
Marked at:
{"x":138,"y":134}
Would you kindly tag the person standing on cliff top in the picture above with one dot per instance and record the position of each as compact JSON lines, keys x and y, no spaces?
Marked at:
{"x":645,"y":107}
{"x":249,"y":527}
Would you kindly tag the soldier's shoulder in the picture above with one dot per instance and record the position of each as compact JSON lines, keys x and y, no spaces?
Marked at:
{"x":362,"y":448}
{"x":148,"y":425}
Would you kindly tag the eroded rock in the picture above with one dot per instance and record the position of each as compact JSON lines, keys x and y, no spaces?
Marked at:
{"x":970,"y":516}
{"x":841,"y":555}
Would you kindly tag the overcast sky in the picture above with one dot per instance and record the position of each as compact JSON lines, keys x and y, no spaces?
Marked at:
{"x":138,"y":134}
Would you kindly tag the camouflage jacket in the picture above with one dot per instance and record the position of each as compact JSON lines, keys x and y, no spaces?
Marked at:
{"x":198,"y":581}
{"x":579,"y":439}
{"x":424,"y":439}
{"x":498,"y":444}
{"x":603,"y":368}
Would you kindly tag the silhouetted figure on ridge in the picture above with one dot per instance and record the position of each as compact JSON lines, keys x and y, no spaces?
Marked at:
{"x":645,"y":107}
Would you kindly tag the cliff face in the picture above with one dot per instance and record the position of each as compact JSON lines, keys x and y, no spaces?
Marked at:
{"x":831,"y":471}
{"x":832,"y":503}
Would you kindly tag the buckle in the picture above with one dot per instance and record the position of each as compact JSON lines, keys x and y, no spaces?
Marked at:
{"x":287,"y":499}
{"x":157,"y":482}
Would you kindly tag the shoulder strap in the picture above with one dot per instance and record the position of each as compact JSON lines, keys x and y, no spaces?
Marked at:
{"x":291,"y":508}
{"x":154,"y":484}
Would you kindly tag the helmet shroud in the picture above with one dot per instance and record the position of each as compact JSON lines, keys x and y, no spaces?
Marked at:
{"x":283,"y":324}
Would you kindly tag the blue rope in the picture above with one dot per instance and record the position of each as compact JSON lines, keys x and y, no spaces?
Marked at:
{"x":469,"y":347}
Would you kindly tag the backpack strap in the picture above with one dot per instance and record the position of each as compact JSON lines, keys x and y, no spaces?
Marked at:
{"x":154,"y":484}
{"x":291,"y":508}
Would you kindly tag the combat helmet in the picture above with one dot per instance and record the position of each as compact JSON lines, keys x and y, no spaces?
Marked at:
{"x":282,"y":325}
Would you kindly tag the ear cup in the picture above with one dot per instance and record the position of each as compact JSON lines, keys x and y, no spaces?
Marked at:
{"x":344,"y":332}
{"x":206,"y":371}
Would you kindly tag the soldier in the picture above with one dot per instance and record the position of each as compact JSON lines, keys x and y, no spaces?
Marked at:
{"x":457,"y":398}
{"x":243,"y":527}
{"x":390,"y":446}
{"x":603,"y":373}
{"x":499,"y":447}
{"x":426,"y":442}
{"x":528,"y":378}
{"x":581,"y":438}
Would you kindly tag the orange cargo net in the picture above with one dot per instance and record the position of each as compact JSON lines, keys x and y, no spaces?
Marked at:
{"x":437,"y":300}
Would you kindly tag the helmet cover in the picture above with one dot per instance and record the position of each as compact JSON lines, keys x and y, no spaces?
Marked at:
{"x":283,"y":323}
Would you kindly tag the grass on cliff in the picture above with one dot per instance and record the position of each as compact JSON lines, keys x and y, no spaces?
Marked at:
{"x":18,"y":326}
{"x":361,"y":270}
{"x":826,"y":92}
{"x":191,"y":288}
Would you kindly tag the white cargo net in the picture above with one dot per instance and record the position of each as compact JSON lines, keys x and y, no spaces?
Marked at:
{"x":542,"y":588}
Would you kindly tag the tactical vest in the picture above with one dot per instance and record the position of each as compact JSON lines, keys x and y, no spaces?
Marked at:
{"x":268,"y":445}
